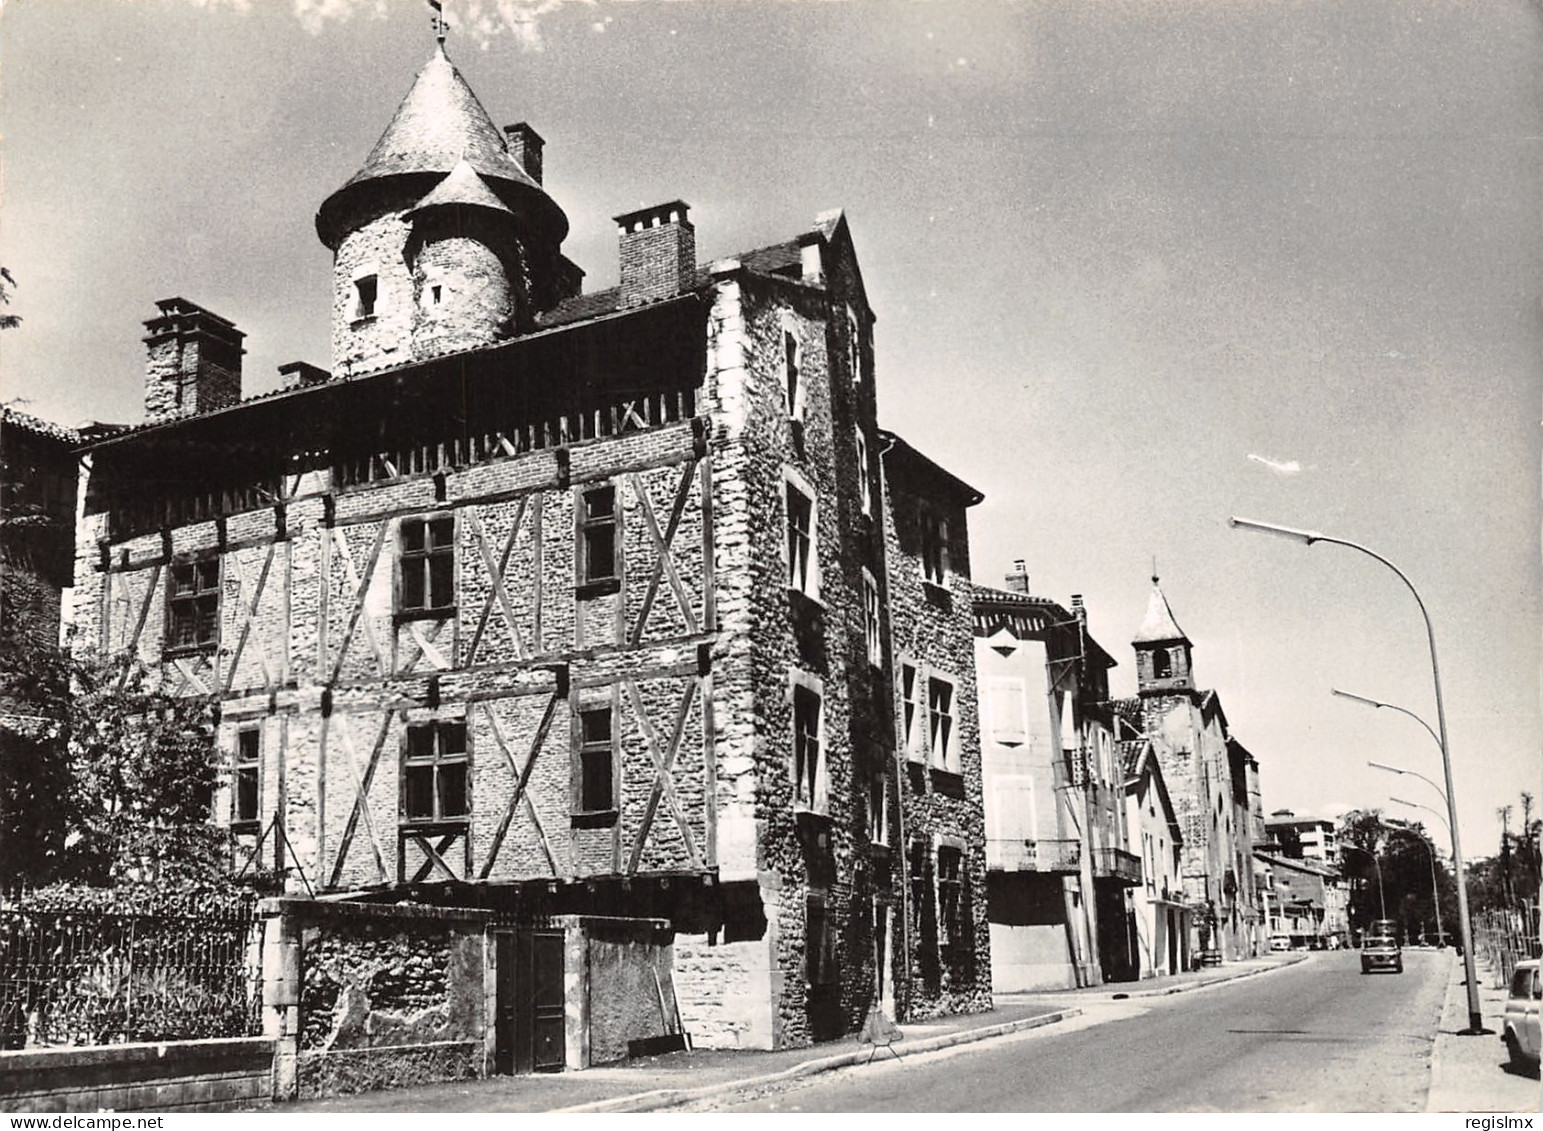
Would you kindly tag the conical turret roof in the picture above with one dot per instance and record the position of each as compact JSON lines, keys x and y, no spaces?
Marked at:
{"x":437,"y":126}
{"x":1158,"y":627}
{"x":463,"y":187}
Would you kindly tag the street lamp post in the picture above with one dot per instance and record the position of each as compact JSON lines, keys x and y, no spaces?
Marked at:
{"x":1308,"y":537}
{"x":1435,"y":892}
{"x":1382,"y":903}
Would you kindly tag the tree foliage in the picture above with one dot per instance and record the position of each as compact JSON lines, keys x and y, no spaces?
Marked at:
{"x":1389,"y":865}
{"x":8,"y":321}
{"x":110,"y":781}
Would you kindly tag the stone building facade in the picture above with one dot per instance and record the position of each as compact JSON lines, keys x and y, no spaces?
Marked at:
{"x":1214,"y":783}
{"x":564,"y":604}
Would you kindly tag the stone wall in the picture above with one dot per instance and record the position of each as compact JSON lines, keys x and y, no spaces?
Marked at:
{"x":366,"y":996}
{"x":210,"y":1075}
{"x":933,"y":628}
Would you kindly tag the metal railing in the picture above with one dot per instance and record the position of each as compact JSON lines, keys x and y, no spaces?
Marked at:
{"x":1030,"y":855}
{"x":95,"y":977}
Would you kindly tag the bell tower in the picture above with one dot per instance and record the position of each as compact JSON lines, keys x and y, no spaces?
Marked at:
{"x":444,"y":240}
{"x":1164,"y":660}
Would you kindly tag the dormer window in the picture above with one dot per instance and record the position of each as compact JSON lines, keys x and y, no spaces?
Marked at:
{"x":366,"y":292}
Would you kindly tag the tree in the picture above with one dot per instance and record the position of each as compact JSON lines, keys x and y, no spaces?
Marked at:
{"x":116,"y":781}
{"x":7,"y":285}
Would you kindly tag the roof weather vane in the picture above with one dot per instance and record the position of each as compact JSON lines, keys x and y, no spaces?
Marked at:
{"x":438,"y":21}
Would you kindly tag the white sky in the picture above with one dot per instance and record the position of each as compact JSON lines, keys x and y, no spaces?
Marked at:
{"x":1115,"y":248}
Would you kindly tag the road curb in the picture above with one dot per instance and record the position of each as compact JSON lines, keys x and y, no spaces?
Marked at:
{"x":677,"y":1097}
{"x":1185,"y":987}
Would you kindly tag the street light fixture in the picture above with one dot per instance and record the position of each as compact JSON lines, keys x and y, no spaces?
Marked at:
{"x":1416,"y":805}
{"x":1308,"y":537}
{"x":1411,"y":773}
{"x":1435,"y":892}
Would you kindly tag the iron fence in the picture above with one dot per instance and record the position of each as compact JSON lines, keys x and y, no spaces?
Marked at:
{"x":97,"y":977}
{"x":1505,"y":937}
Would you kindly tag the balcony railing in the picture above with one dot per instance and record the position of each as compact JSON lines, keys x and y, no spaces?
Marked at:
{"x":1028,"y":855}
{"x":1122,"y":865}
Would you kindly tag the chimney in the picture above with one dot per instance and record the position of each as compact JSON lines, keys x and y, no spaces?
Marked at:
{"x":525,"y":146}
{"x":193,"y":363}
{"x":811,"y":259}
{"x":301,"y":374}
{"x":1018,"y":579}
{"x":658,"y":253}
{"x":1079,"y":610}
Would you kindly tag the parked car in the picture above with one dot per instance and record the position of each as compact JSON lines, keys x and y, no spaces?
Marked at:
{"x":1280,"y":942}
{"x":1381,"y":952}
{"x":1520,"y":1028}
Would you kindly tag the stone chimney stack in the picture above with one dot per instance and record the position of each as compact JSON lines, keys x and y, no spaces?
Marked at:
{"x":302,"y":374}
{"x":193,"y":363}
{"x":658,"y":253}
{"x":525,"y":146}
{"x":1079,"y":610}
{"x":1018,"y":579}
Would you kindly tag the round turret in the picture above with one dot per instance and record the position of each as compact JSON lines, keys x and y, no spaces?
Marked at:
{"x":442,"y":239}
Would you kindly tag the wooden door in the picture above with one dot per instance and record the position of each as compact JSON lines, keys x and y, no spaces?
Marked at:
{"x":530,"y":1033}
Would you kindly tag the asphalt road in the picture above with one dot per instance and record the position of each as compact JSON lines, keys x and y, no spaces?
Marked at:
{"x":1316,"y":1036}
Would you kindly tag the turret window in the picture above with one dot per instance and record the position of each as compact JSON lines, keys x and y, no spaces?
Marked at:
{"x":1162,"y":663}
{"x":366,"y":293}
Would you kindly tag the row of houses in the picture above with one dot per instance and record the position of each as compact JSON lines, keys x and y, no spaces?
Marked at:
{"x":621,"y":607}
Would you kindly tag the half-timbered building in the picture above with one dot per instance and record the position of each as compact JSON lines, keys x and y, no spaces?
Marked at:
{"x":564,"y":603}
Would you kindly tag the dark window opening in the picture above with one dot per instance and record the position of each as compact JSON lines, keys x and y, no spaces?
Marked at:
{"x":193,"y":606}
{"x":597,"y":535}
{"x":807,"y":768}
{"x":428,"y":564}
{"x":951,"y":895}
{"x":248,"y":773}
{"x":597,"y":762}
{"x":365,"y":292}
{"x":434,"y":777}
{"x":1162,"y":663}
{"x":790,"y":355}
{"x":800,"y":541}
{"x":934,"y":548}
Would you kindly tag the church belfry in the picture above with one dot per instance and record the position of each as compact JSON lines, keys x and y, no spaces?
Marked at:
{"x":1164,"y":661}
{"x":444,"y":240}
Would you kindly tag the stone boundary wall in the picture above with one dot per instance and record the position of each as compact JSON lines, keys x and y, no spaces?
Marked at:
{"x":365,"y":1047}
{"x":212,"y":1075}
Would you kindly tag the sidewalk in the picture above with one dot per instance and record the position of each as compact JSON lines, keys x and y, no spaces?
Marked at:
{"x":1470,"y":1073}
{"x":1161,"y":987}
{"x":674,"y":1079}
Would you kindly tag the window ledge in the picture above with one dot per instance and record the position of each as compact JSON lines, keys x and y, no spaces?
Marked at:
{"x":600,"y":587}
{"x":598,"y":819}
{"x":798,"y":595}
{"x":183,"y":651}
{"x":947,"y":782}
{"x":446,"y":612}
{"x":937,"y":594}
{"x":418,"y":826}
{"x":245,"y":828}
{"x":362,"y":319}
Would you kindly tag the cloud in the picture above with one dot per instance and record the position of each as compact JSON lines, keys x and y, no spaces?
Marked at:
{"x":1280,"y":467}
{"x":474,"y":21}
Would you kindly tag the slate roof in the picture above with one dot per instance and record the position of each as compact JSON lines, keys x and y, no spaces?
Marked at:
{"x":438,"y":125}
{"x":1158,"y":627}
{"x":464,"y":187}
